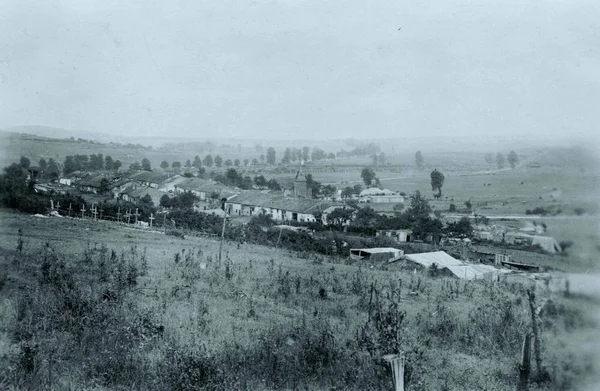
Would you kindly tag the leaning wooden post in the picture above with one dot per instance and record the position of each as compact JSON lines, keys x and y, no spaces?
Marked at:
{"x":525,"y":367}
{"x":397,"y":363}
{"x":222,"y":238}
{"x":537,"y":350}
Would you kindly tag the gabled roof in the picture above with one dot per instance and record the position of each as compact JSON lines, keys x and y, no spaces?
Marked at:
{"x":150,"y":176}
{"x":92,"y":180}
{"x":374,"y":191}
{"x":470,"y":272}
{"x":280,"y":201}
{"x":440,"y":258}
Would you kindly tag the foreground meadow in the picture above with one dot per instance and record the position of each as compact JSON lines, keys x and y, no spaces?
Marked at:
{"x":93,"y":305}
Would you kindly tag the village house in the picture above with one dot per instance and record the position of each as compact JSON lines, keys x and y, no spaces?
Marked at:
{"x":90,"y":183}
{"x":380,"y":196}
{"x":401,"y":235}
{"x":68,"y":179}
{"x":204,"y":189}
{"x":278,"y":206}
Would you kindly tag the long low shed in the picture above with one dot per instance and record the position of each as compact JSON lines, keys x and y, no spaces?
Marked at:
{"x":376,"y":254}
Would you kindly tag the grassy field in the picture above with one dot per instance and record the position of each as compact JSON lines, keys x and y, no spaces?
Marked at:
{"x":267,"y":319}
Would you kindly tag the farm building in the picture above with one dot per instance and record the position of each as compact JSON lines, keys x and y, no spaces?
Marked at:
{"x":151,"y":179}
{"x":547,"y":243}
{"x":69,"y":179}
{"x":204,"y":189}
{"x":401,"y":235}
{"x":134,"y":193}
{"x":380,"y":196}
{"x":386,"y":254}
{"x":474,"y":271}
{"x":277,"y":206}
{"x":452,"y":267}
{"x":215,"y":212}
{"x":425,"y":260}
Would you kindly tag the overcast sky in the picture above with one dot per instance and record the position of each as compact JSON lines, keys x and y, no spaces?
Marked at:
{"x":301,"y":69}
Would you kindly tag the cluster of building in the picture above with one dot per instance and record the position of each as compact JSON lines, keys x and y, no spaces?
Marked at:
{"x":291,"y":204}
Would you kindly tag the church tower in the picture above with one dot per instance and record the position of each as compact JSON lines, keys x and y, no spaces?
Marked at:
{"x":300,"y":185}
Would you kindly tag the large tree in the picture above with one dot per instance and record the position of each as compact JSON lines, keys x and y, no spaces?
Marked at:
{"x":368,"y":176}
{"x":108,"y":163}
{"x":53,"y":170}
{"x":25,"y":162}
{"x":218,"y":161}
{"x":305,"y":153}
{"x":164,"y":164}
{"x":500,"y":161}
{"x":287,"y":156}
{"x":146,"y":165}
{"x":513,"y":159}
{"x":208,"y":160}
{"x":419,"y":160}
{"x":339,"y":216}
{"x":270,"y":155}
{"x":437,"y":181}
{"x":197,"y":162}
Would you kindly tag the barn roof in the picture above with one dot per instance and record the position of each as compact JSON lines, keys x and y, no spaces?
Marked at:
{"x":280,"y":201}
{"x":440,"y":258}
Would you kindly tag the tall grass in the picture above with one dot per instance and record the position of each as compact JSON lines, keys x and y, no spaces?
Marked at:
{"x":117,"y":320}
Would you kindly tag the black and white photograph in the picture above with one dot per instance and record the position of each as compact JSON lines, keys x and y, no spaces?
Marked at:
{"x":299,"y":195}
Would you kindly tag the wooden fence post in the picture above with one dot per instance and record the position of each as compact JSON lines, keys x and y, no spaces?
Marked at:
{"x":525,"y":366}
{"x":397,"y":363}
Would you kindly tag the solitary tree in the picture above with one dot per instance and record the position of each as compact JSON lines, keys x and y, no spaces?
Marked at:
{"x":437,"y":181}
{"x":135,"y":166}
{"x":176,"y":165}
{"x":500,"y":161}
{"x":218,"y":161}
{"x":116,"y":165}
{"x":368,"y":176}
{"x":419,"y":160}
{"x":228,"y":163}
{"x":208,"y":160}
{"x":164,"y":165}
{"x":513,"y":159}
{"x":270,"y":155}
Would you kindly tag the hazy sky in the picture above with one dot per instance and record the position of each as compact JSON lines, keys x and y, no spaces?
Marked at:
{"x":301,"y":69}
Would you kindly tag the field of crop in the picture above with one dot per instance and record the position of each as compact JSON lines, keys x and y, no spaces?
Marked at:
{"x":262,"y":318}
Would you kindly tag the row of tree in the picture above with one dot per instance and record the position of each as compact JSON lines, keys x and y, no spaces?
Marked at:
{"x":500,"y":160}
{"x":95,"y":162}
